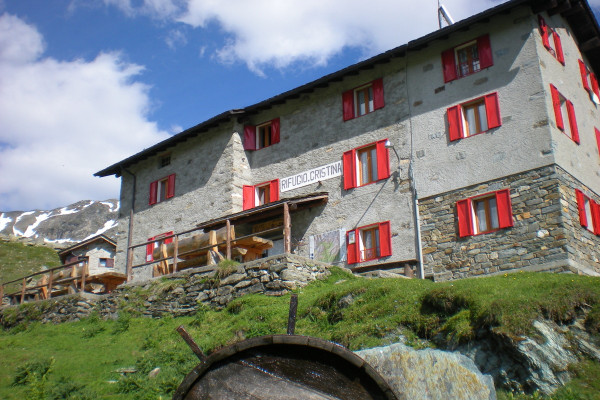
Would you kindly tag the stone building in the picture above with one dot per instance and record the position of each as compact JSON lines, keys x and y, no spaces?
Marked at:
{"x":472,"y":150}
{"x":98,"y":252}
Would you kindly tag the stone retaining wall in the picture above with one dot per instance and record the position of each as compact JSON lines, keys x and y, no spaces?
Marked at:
{"x":545,"y":235}
{"x":177,"y":294}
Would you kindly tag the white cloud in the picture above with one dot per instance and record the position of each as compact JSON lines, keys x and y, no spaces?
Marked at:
{"x":267,"y":33}
{"x":61,"y":121}
{"x":176,"y":38}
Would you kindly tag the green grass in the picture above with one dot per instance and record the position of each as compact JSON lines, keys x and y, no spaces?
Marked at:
{"x":18,"y":260}
{"x":356,"y":312}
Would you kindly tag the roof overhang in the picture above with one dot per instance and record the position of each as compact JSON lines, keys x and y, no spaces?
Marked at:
{"x":86,"y":242}
{"x":269,"y":210}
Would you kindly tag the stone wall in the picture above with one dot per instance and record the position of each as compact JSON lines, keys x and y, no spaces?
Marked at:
{"x":538,"y":240}
{"x":177,"y":294}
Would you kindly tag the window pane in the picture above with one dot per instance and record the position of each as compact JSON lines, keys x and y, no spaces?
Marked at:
{"x":162,"y":190}
{"x":494,"y":213}
{"x":481,"y":217}
{"x":373,"y":176}
{"x":361,"y":102}
{"x":482,"y":117}
{"x":475,"y":61}
{"x":364,"y":167}
{"x":588,"y":214}
{"x":370,"y":91}
{"x":471,"y":122}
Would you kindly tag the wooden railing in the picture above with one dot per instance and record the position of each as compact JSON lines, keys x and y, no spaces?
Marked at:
{"x":247,"y":245}
{"x":53,"y":281}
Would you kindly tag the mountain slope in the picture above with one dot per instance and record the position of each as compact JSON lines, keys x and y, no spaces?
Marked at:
{"x":63,"y":226}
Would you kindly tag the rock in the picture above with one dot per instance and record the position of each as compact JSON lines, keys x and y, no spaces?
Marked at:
{"x":154,"y":373}
{"x":429,"y":374}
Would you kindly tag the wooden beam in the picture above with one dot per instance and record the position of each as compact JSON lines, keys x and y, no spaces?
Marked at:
{"x":23,"y":290}
{"x":590,"y":44}
{"x":544,"y":5}
{"x":228,"y":251}
{"x":287,"y":240}
{"x":175,"y":252}
{"x":1,"y":293}
{"x":190,"y":342}
{"x":85,"y":266}
{"x":129,"y":264}
{"x":291,"y":328}
{"x":560,"y":8}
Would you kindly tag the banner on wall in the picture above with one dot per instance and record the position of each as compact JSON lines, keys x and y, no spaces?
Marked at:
{"x":311,"y":176}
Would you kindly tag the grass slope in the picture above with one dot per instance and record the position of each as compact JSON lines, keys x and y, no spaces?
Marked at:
{"x":18,"y":260}
{"x":79,"y":360}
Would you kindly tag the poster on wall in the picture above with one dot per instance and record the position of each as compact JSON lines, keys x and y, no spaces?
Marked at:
{"x":328,"y":247}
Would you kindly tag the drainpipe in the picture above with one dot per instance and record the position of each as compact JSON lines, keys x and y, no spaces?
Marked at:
{"x":129,"y":233}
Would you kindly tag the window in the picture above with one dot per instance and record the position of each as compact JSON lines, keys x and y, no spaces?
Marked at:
{"x":263,"y":193}
{"x":366,"y":164}
{"x":473,"y":117}
{"x":589,"y":212}
{"x":155,"y":245}
{"x":551,"y":41}
{"x":369,"y":243}
{"x":590,"y":83}
{"x":106,"y":263}
{"x":562,"y":106}
{"x":363,"y":100}
{"x":467,"y":58}
{"x":164,"y":160}
{"x":162,"y":189}
{"x":260,"y":136}
{"x":485,"y":213}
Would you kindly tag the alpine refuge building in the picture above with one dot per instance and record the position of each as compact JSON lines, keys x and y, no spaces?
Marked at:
{"x":472,"y":150}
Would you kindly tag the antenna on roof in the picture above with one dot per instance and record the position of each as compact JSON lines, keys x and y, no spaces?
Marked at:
{"x":443,"y":14}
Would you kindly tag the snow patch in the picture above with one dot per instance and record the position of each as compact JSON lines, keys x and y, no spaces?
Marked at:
{"x":38,"y":220}
{"x":17,"y":232}
{"x":111,"y":207}
{"x":4,"y":221}
{"x":107,"y":225}
{"x":66,"y":211}
{"x":59,"y":241}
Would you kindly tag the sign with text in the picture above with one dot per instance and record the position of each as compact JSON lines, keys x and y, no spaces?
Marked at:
{"x":311,"y":176}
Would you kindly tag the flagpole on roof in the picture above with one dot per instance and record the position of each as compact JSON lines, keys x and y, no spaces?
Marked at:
{"x":444,"y":15}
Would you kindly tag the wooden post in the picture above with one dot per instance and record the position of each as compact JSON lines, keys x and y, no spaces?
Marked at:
{"x":212,"y":241}
{"x":228,"y":252}
{"x":85,"y":266}
{"x":291,"y":328}
{"x":44,"y":288}
{"x":175,"y":253}
{"x":23,"y":291}
{"x":190,"y":342}
{"x":129,"y":263}
{"x":1,"y":293}
{"x":50,"y":279}
{"x":287,"y":230}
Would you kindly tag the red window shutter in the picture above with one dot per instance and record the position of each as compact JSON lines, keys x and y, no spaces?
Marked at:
{"x":378,"y":100}
{"x":110,"y":263}
{"x":385,"y":239}
{"x":581,"y":206}
{"x":556,"y":103}
{"x":598,"y":139}
{"x":169,"y":240}
{"x":149,"y":250}
{"x":449,"y":65}
{"x":348,"y":104}
{"x":153,"y":192}
{"x":171,"y":186}
{"x":558,"y":45}
{"x":505,"y":216}
{"x":274,"y":190}
{"x":383,"y":160}
{"x":595,"y":216}
{"x":584,"y":77}
{"x":455,"y":123}
{"x":352,"y":249}
{"x":348,"y":161}
{"x":463,"y":211}
{"x":248,"y":197}
{"x":485,"y":51}
{"x":275,"y":131}
{"x":573,"y":122}
{"x":544,"y":32}
{"x":595,"y":85}
{"x":249,"y":137}
{"x":492,"y":109}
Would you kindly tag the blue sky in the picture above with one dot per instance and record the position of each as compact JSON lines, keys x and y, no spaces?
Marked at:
{"x":86,"y":83}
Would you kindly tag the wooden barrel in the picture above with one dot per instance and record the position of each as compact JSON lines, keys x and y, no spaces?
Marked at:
{"x":284,"y":367}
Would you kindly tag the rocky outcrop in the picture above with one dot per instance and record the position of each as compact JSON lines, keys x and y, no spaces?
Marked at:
{"x":429,"y":374}
{"x":539,"y":363}
{"x":64,"y":226}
